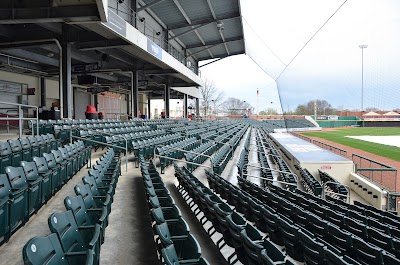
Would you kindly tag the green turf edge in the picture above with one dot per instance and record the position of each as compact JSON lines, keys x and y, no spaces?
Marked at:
{"x":338,"y":136}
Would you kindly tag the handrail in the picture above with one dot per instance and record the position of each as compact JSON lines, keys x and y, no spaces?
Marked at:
{"x":274,"y":170}
{"x":332,"y":182}
{"x":277,"y":181}
{"x":106,"y":144}
{"x":21,"y":116}
{"x":183,"y":150}
{"x":181,"y":160}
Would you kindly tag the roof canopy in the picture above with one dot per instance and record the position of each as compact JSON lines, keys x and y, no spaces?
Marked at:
{"x":371,"y":113}
{"x":208,"y":29}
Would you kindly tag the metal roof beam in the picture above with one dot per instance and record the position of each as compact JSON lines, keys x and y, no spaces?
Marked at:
{"x":101,"y":45}
{"x":212,"y":43}
{"x":159,"y":72}
{"x":149,"y":5}
{"x":188,"y":31}
{"x":203,"y":21}
{"x":20,"y":53}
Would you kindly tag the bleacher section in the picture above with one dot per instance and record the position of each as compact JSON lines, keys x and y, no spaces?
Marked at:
{"x":79,"y":232}
{"x":285,"y":218}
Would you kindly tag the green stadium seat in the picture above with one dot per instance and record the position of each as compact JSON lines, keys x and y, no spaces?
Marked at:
{"x":5,"y":156}
{"x":48,"y":250}
{"x":35,"y":183}
{"x":16,"y":149}
{"x":93,"y":202}
{"x":56,"y":182}
{"x":84,"y":217}
{"x":171,"y":258}
{"x":26,"y":149}
{"x":46,"y":174}
{"x":186,"y":246}
{"x":34,"y":146}
{"x":74,"y":238}
{"x":32,"y":175}
{"x":98,"y":190}
{"x":270,"y":254}
{"x":252,"y":243}
{"x":19,"y":211}
{"x":62,"y":164}
{"x":5,"y":191}
{"x":41,"y":144}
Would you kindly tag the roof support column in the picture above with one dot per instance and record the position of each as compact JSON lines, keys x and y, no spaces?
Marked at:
{"x":134,"y":13}
{"x":148,"y":106}
{"x":197,"y":107}
{"x":167,"y":97}
{"x":134,"y":94}
{"x":42,"y":92}
{"x":185,"y":105}
{"x":128,"y":109}
{"x":66,"y":88}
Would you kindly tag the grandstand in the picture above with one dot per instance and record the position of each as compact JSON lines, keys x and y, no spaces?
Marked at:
{"x":87,"y":178}
{"x":211,"y":192}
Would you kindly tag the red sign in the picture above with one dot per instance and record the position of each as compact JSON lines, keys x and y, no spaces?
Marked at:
{"x":30,"y":91}
{"x":324,"y":167}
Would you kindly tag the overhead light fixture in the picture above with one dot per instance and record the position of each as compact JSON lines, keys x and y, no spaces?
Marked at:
{"x":142,"y":19}
{"x":158,"y":33}
{"x":220,"y":25}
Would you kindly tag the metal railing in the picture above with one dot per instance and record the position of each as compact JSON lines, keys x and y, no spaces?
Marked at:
{"x":101,"y":143}
{"x":130,"y":16}
{"x":325,"y":191}
{"x":332,"y":148}
{"x":180,"y":160}
{"x":274,"y":170}
{"x":375,"y":171}
{"x":277,"y":181}
{"x":21,"y":118}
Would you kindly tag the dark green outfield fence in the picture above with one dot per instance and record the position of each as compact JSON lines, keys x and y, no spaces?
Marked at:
{"x":342,"y":121}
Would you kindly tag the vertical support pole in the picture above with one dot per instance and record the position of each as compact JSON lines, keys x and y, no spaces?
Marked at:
{"x":20,"y":116}
{"x":127,"y":104}
{"x":134,"y":12}
{"x":42,"y":92}
{"x":66,"y":76}
{"x":167,"y":98}
{"x":185,"y":106}
{"x":134,"y":94}
{"x":197,"y":107}
{"x":148,"y":105}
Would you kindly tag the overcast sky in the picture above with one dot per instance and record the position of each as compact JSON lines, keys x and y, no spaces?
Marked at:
{"x":329,"y":67}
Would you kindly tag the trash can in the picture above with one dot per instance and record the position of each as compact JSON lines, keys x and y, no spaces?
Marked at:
{"x":91,"y":112}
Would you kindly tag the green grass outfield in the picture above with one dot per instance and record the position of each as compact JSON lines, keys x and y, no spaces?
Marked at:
{"x":338,"y":136}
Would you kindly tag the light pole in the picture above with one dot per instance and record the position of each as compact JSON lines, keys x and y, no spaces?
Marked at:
{"x":362,"y":47}
{"x":270,"y":109}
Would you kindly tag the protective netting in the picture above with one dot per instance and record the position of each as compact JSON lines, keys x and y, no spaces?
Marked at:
{"x":311,"y":48}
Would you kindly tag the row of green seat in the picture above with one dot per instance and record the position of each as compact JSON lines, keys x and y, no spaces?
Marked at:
{"x":12,"y":152}
{"x":278,"y":204}
{"x":203,"y":151}
{"x":26,"y":187}
{"x":244,"y":156}
{"x":310,"y":183}
{"x":235,"y":230}
{"x":339,"y":190}
{"x":171,"y":151}
{"x":146,"y":147}
{"x":226,"y":151}
{"x":265,"y":149}
{"x":78,"y":233}
{"x":175,"y":244}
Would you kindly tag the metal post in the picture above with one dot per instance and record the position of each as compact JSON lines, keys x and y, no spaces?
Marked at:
{"x":20,"y":115}
{"x":362,"y":47}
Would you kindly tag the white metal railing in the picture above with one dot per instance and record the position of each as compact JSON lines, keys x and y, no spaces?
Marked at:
{"x":21,"y":118}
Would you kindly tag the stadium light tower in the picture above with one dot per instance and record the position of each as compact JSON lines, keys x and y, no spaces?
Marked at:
{"x":362,"y":47}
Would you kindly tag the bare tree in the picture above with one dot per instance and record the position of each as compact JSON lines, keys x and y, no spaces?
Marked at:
{"x":323,"y":107}
{"x":211,"y":97}
{"x":235,"y":106}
